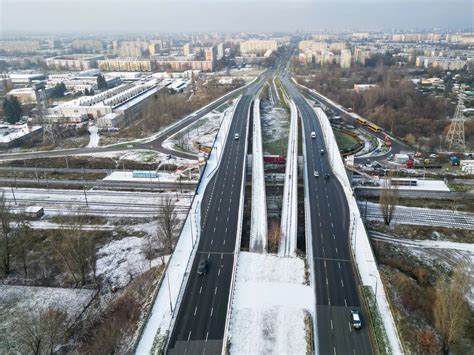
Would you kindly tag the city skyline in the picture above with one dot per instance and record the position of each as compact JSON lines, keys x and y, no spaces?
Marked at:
{"x":214,"y":16}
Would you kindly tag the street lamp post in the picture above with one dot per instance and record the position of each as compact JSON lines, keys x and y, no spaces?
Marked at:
{"x":376,"y":283}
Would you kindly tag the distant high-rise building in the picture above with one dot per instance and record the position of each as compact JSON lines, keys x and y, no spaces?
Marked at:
{"x":211,"y":56}
{"x":359,"y":55}
{"x":154,"y":48}
{"x":187,"y":49}
{"x":346,"y":58}
{"x":220,"y":51}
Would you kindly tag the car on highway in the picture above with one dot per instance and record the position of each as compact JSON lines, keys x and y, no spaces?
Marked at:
{"x":322,"y":151}
{"x":236,"y":136}
{"x":313,"y":134}
{"x":202,"y":266}
{"x":326,"y":176}
{"x":355,"y":319}
{"x":316,"y":173}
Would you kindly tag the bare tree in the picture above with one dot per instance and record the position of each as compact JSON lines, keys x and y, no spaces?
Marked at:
{"x":6,"y":246}
{"x":167,"y":222}
{"x":274,"y":236}
{"x":22,"y":242}
{"x":40,"y":332}
{"x":77,"y":250}
{"x":389,"y":197}
{"x":451,"y":309}
{"x":149,"y":249}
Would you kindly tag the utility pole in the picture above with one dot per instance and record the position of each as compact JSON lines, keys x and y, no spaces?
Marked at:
{"x":455,"y":138}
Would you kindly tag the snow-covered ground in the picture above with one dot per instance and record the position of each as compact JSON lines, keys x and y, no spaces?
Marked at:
{"x":120,"y":261}
{"x":100,"y":202}
{"x":269,"y":305}
{"x":17,"y":302}
{"x":420,"y":216}
{"x":275,"y":128}
{"x":94,"y":137}
{"x":258,"y":225}
{"x":422,"y":185}
{"x":203,"y":131}
{"x":436,"y":252}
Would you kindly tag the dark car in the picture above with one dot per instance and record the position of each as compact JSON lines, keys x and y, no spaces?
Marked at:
{"x":202,"y":266}
{"x":322,"y":151}
{"x":326,"y":176}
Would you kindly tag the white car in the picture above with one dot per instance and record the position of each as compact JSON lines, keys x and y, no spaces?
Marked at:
{"x":313,"y":134}
{"x":355,"y":319}
{"x":236,"y":136}
{"x":316,"y":173}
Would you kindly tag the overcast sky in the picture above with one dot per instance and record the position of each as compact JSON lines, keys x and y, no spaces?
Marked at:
{"x":231,"y":15}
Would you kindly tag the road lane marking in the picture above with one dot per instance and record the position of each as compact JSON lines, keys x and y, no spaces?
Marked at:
{"x":219,"y":272}
{"x":189,"y":335}
{"x":225,"y":232}
{"x":339,"y":264}
{"x":212,"y":311}
{"x":342,"y":283}
{"x":345,"y":302}
{"x":200,"y":290}
{"x":334,"y":350}
{"x":212,"y":240}
{"x":214,"y":229}
{"x":337,"y":251}
{"x":327,"y":282}
{"x":332,"y":328}
{"x":195,"y":311}
{"x":334,"y":236}
{"x":350,"y":328}
{"x":217,"y":217}
{"x":223,"y":243}
{"x":207,"y":336}
{"x":222,"y":256}
{"x":215,"y":291}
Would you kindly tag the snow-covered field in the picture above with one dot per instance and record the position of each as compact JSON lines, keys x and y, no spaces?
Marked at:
{"x":269,"y":304}
{"x":120,"y":261}
{"x":275,"y":129}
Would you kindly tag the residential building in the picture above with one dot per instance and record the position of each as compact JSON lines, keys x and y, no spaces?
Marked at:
{"x":187,"y":49}
{"x":87,"y":45}
{"x":346,"y":58}
{"x":360,"y":55}
{"x":258,"y":46}
{"x":20,"y":46}
{"x":76,"y":62}
{"x":126,"y":64}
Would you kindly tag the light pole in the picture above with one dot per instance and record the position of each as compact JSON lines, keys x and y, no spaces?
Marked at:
{"x":376,"y":284}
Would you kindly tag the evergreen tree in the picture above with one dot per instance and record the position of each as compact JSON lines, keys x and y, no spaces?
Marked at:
{"x":101,"y":83}
{"x":91,"y":92}
{"x":86,"y":92}
{"x":12,"y":109}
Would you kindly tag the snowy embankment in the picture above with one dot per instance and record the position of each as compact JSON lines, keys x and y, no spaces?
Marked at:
{"x":289,"y":211}
{"x":161,"y":318}
{"x":258,"y":225}
{"x":269,"y":306}
{"x":361,"y":248}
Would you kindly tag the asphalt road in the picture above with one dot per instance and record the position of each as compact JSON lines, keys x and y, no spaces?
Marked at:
{"x":156,"y":144}
{"x":396,"y":147}
{"x":335,"y":279}
{"x":199,"y":327}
